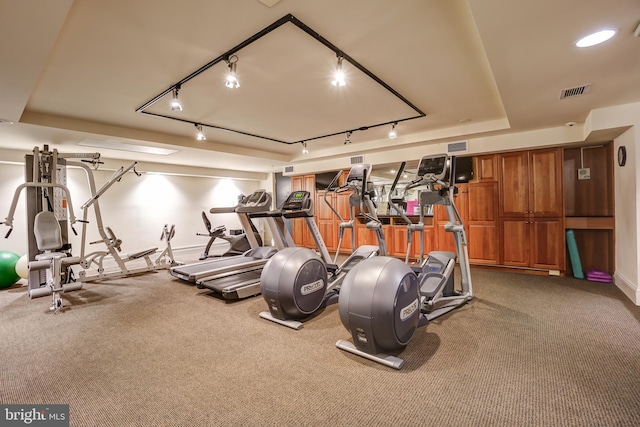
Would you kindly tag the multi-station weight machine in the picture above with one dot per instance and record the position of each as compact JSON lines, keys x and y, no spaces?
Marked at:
{"x":50,"y":214}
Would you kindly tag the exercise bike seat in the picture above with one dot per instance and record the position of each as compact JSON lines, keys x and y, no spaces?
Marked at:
{"x":219,"y":229}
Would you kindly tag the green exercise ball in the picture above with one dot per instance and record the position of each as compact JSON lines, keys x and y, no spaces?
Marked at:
{"x":8,"y":275}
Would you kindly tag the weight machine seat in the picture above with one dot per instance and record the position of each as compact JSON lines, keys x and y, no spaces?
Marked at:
{"x":141,"y":254}
{"x":48,"y":234}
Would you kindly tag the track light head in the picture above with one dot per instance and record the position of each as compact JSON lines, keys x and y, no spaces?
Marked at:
{"x":347,"y":140}
{"x":304,"y":148}
{"x":232,"y":76}
{"x":338,"y":77}
{"x":200,"y":136}
{"x":176,"y":105}
{"x":392,"y":132}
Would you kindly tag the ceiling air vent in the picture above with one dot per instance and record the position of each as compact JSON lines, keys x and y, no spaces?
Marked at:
{"x":457,"y":147}
{"x":574,"y":91}
{"x":288,"y":170}
{"x":356,"y":160}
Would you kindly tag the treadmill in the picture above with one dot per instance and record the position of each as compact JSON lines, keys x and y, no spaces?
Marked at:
{"x":239,"y":276}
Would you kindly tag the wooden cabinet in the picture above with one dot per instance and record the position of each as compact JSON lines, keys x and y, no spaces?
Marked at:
{"x":531,"y":209}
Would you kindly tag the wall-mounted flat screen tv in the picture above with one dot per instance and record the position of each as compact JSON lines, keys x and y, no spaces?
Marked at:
{"x":464,"y":169}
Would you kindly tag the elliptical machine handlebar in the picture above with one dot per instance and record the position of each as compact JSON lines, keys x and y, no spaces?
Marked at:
{"x":393,"y":187}
{"x":331,"y":184}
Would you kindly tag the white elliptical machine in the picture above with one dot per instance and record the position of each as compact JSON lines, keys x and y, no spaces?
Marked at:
{"x":297,"y":282}
{"x":383,"y":300}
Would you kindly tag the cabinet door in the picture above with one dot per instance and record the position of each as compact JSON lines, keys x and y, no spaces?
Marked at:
{"x":461,"y":201}
{"x":300,"y":231}
{"x":547,"y":244}
{"x":297,"y":183}
{"x":545,"y":174}
{"x":399,"y":241}
{"x":444,"y":241}
{"x":482,"y":225}
{"x":482,"y":202}
{"x":515,"y":242}
{"x":326,"y":220}
{"x":342,"y":206}
{"x":429,"y":237}
{"x":427,"y":243}
{"x":298,"y":227}
{"x":482,"y":243}
{"x":321,"y":211}
{"x":364,"y":236}
{"x":329,"y":235}
{"x":487,"y":168}
{"x":514,"y":184}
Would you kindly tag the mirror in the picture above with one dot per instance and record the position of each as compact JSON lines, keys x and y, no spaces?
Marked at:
{"x":382,"y":176}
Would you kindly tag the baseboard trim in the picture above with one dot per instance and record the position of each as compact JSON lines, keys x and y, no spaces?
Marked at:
{"x":629,"y":289}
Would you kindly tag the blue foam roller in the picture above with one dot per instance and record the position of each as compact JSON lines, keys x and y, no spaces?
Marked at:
{"x":576,"y":265}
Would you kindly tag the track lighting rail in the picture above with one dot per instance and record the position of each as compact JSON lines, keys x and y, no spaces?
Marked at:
{"x":289,"y":18}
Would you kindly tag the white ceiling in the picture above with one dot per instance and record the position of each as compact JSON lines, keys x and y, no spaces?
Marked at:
{"x":73,"y":70}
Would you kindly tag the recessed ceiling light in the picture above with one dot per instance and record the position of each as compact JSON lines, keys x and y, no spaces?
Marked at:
{"x":115,"y":145}
{"x":597,"y":37}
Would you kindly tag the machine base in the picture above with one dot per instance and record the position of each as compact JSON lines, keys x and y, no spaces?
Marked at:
{"x":384,"y":359}
{"x":293,"y":324}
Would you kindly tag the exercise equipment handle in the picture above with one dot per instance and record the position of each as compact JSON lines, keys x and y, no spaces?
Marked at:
{"x":9,"y":219}
{"x":333,"y":181}
{"x":6,"y":236}
{"x":398,"y":175}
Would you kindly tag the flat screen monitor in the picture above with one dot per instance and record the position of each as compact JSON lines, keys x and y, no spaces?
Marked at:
{"x":464,"y":169}
{"x":324,"y":179}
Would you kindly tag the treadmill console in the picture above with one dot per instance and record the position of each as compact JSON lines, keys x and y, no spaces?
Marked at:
{"x":259,"y":200}
{"x":297,"y":200}
{"x":298,"y":204}
{"x":434,"y":167}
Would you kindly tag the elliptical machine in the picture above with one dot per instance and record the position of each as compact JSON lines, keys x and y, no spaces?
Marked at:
{"x":383,"y":300}
{"x":297,"y":282}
